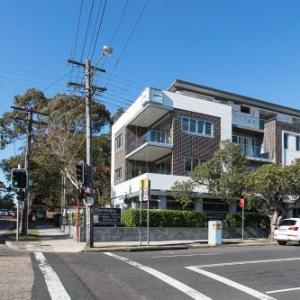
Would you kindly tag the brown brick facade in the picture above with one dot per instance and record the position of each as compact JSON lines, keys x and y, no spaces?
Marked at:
{"x":195,"y":146}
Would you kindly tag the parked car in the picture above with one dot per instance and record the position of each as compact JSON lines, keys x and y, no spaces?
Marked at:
{"x":287,"y":230}
{"x":13,"y":214}
{"x":4,"y":212}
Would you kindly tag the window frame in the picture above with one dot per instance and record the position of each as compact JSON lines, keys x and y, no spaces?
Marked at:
{"x":285,"y":141}
{"x":297,"y":143}
{"x":205,"y":124}
{"x":118,"y":174}
{"x":192,"y":163}
{"x":119,"y":142}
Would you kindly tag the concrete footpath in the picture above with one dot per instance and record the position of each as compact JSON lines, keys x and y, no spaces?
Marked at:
{"x":52,"y":239}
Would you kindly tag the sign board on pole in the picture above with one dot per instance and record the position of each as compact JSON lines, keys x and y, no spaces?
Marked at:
{"x":107,"y":216}
{"x":146,"y":190}
{"x":89,"y":201}
{"x":243,"y":203}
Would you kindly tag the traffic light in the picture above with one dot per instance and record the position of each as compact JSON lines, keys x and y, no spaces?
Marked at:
{"x":20,"y":196}
{"x":19,"y":179}
{"x":80,"y":173}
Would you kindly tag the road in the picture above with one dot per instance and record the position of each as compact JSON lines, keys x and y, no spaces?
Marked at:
{"x":229,"y":273}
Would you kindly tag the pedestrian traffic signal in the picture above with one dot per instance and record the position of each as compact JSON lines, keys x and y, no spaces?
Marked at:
{"x":20,"y":196}
{"x":19,"y":179}
{"x":80,"y":173}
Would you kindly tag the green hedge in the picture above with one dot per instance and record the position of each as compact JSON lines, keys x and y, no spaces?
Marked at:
{"x":165,"y":218}
{"x":72,"y":219}
{"x":251,"y":220}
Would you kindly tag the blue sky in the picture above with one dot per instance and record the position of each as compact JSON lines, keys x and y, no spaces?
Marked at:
{"x":248,"y":47}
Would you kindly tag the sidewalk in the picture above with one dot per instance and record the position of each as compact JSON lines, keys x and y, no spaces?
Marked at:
{"x":52,"y":239}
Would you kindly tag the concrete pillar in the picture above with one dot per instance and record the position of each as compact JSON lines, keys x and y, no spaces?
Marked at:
{"x":162,"y":203}
{"x":199,"y":204}
{"x":134,"y":204}
{"x":232,"y":207}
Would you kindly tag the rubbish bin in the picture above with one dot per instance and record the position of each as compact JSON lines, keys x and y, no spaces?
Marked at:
{"x":214,"y":233}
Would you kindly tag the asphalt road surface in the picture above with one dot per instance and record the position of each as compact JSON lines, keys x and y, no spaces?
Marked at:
{"x":270,"y":272}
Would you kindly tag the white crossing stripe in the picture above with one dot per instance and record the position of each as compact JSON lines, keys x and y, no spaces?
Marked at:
{"x":233,"y":284}
{"x":186,"y":255}
{"x":194,"y":294}
{"x":283,"y":290}
{"x":55,"y":287}
{"x":247,"y":262}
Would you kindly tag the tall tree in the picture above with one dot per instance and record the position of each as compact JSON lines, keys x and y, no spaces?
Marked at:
{"x":224,"y":175}
{"x":267,"y":187}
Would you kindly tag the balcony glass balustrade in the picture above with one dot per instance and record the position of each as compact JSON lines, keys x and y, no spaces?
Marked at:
{"x":153,"y":136}
{"x":255,"y":152}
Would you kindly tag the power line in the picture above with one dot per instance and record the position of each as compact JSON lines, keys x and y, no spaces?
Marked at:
{"x":77,"y":30}
{"x":87,"y":29}
{"x":119,"y":23}
{"x":129,"y":38}
{"x":56,"y":81}
{"x":99,"y":27}
{"x":95,"y":27}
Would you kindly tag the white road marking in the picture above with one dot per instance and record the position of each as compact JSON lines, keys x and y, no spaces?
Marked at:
{"x":233,"y":284}
{"x":283,"y":290}
{"x":248,"y":262}
{"x":194,"y":294}
{"x":55,"y":287}
{"x":179,"y":255}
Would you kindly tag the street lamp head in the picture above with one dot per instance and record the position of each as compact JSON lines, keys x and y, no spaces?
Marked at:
{"x":107,"y":50}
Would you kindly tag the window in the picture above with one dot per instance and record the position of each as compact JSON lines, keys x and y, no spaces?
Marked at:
{"x":119,"y":142}
{"x":198,"y":127}
{"x":298,"y":143}
{"x":286,"y":138}
{"x":190,"y":164}
{"x":207,"y":128}
{"x":245,"y":109}
{"x":192,"y":125}
{"x":235,"y":139}
{"x":185,"y":124}
{"x":118,"y":174}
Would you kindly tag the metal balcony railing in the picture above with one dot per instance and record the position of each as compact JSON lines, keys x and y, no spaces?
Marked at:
{"x":154,"y":136}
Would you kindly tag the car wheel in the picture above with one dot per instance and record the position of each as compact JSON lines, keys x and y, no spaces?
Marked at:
{"x":282,"y":243}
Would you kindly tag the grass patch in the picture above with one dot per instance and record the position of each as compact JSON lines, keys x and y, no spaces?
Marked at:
{"x":33,"y":235}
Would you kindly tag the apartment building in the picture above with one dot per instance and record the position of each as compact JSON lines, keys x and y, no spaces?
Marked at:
{"x":163,"y":135}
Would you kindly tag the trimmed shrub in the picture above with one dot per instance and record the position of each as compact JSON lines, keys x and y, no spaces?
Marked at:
{"x":163,"y":218}
{"x":251,"y":220}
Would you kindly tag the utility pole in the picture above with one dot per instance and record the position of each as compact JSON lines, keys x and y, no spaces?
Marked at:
{"x":29,"y":120}
{"x":89,"y":92}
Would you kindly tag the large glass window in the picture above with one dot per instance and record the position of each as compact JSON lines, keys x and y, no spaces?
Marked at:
{"x":199,"y":127}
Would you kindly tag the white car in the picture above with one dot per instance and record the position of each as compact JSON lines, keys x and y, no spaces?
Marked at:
{"x":287,"y":230}
{"x":4,"y":212}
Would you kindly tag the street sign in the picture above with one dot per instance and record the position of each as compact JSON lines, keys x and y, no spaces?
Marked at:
{"x":243,"y":203}
{"x":107,"y":216}
{"x":89,"y":201}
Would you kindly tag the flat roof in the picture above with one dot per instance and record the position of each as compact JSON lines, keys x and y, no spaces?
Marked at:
{"x":181,"y":85}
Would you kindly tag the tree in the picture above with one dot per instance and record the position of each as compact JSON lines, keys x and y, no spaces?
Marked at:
{"x":224,"y":175}
{"x":182,"y":191}
{"x":267,"y":187}
{"x":57,"y":146}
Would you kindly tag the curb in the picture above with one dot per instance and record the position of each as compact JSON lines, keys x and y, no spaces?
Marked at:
{"x":170,"y":247}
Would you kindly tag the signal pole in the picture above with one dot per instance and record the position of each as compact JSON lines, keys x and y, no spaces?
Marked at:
{"x":30,"y":121}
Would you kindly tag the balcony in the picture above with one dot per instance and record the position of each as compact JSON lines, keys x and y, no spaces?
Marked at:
{"x":257,"y":153}
{"x":154,"y":104}
{"x":151,"y":146}
{"x":245,"y":120}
